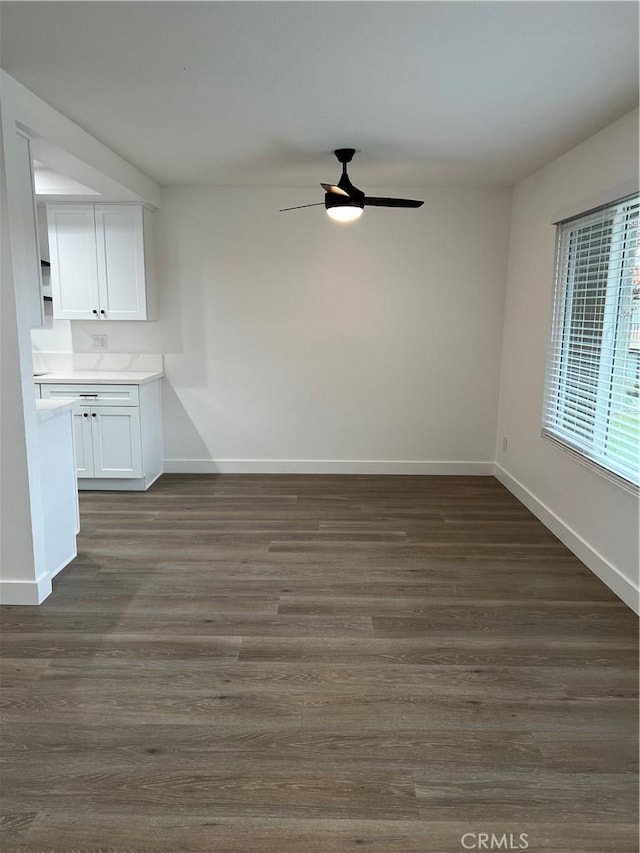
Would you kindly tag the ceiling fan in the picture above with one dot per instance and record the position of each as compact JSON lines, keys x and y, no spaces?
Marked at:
{"x":344,"y":202}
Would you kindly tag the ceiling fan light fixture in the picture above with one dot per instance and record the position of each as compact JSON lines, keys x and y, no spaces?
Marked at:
{"x":345,"y":212}
{"x":344,"y":208}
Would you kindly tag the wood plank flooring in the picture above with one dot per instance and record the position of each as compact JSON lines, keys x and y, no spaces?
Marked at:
{"x":319,"y":664}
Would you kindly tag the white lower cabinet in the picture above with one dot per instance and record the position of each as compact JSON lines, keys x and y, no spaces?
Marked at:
{"x":108,"y":441}
{"x":118,"y":445}
{"x":83,"y":441}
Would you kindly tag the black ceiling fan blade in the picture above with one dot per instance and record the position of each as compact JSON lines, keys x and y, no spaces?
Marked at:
{"x":332,"y":188}
{"x":375,"y":201}
{"x":299,"y":206}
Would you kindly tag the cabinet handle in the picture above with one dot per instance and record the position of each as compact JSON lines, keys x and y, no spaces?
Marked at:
{"x":102,"y":311}
{"x":93,"y":415}
{"x":95,"y":311}
{"x":85,"y":415}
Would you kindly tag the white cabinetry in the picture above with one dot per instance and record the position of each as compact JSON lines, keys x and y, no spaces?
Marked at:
{"x":58,"y":486}
{"x":74,"y":266}
{"x":116,"y":441}
{"x":83,"y":441}
{"x":102,"y":261}
{"x":117,"y":432}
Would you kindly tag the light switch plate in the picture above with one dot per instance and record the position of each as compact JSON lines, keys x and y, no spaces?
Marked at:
{"x":99,"y":342}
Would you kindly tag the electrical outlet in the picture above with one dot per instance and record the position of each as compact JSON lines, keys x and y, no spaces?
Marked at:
{"x":99,"y":342}
{"x":505,"y":443}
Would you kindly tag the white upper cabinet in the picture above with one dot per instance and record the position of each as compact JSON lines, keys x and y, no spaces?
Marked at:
{"x":102,"y":261}
{"x":74,"y":268}
{"x":121,"y":268}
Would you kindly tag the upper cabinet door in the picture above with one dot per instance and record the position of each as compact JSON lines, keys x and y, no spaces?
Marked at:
{"x":74,"y":269}
{"x":121,"y":267}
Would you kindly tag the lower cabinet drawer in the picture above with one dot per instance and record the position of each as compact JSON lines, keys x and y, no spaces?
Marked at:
{"x":99,"y":395}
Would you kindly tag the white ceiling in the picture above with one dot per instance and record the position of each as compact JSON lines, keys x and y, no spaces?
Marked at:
{"x":259,"y":93}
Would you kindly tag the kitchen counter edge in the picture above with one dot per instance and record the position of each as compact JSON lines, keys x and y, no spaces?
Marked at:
{"x":98,"y":377}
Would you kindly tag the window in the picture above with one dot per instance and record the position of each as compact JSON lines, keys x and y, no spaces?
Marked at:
{"x":593,"y":370}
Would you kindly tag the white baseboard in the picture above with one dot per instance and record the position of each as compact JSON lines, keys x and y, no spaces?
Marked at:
{"x":324,"y":466}
{"x":25,"y":592}
{"x":66,"y":560}
{"x":116,"y":484}
{"x":599,"y":565}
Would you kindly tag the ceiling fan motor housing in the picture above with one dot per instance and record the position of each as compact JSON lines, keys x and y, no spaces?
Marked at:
{"x":334,"y":200}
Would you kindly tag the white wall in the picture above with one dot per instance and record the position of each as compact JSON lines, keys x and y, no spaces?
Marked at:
{"x":597,"y":518}
{"x":295,"y":343}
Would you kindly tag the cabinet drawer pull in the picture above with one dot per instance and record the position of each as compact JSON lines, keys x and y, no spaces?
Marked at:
{"x":87,"y":395}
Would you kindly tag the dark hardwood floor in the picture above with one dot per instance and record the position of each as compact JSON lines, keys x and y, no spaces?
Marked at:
{"x":319,"y":664}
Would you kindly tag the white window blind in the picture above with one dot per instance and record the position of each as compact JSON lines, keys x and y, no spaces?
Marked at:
{"x":593,"y":371}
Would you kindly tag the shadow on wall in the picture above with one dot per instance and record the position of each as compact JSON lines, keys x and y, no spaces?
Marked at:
{"x":181,"y":439}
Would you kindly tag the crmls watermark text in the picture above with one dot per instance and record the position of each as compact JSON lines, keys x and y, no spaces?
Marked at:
{"x":491,"y":841}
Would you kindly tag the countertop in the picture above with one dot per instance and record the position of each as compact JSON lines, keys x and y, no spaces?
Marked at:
{"x":47,"y":409}
{"x":98,"y":377}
